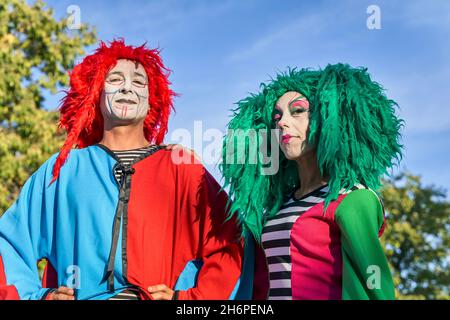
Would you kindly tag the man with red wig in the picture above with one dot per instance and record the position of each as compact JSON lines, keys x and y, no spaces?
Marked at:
{"x":115,"y":217}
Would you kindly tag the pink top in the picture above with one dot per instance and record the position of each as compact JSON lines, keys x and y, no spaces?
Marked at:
{"x":303,"y":249}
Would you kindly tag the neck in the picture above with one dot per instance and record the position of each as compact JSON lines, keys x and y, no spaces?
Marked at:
{"x":124,"y":137}
{"x":309,"y":174}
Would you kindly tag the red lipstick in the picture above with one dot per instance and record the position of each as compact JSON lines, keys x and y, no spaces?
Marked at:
{"x":285,"y":138}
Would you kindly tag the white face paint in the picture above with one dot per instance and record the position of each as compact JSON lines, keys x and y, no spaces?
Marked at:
{"x":292,"y":118}
{"x":124,"y":98}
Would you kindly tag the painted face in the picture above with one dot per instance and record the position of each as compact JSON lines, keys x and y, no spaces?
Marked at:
{"x":291,"y":116}
{"x":125,"y":94}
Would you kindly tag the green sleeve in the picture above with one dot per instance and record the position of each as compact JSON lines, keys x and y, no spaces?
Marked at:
{"x":365,"y":272}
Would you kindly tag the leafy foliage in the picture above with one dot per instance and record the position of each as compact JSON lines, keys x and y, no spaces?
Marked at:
{"x":35,"y":53}
{"x":417,"y":237}
{"x":36,"y":50}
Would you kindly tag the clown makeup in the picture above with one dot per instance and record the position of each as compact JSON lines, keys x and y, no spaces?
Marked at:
{"x":125,"y":95}
{"x":291,"y":116}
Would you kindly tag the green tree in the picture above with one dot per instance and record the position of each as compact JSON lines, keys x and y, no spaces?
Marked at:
{"x":417,"y":237}
{"x":36,"y":51}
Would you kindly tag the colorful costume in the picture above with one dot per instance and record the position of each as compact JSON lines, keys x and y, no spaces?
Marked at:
{"x":159,"y":223}
{"x":324,"y":245}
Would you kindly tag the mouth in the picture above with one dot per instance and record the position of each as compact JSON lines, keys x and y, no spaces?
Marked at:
{"x":126,"y":101}
{"x":285,"y":138}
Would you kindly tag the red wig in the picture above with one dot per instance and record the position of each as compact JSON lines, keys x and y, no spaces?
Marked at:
{"x":80,"y":109}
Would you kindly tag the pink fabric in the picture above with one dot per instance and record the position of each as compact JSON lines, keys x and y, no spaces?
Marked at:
{"x":316,"y":255}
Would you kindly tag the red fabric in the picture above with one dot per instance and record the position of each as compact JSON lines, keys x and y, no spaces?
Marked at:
{"x":383,"y":226}
{"x":50,"y":277}
{"x":7,"y":292}
{"x":316,"y":255}
{"x":176,"y":214}
{"x":261,"y":276}
{"x":80,"y":109}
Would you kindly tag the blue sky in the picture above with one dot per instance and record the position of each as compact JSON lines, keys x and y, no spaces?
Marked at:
{"x":220,"y":51}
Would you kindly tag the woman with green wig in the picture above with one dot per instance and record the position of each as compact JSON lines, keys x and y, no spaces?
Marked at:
{"x":318,"y":217}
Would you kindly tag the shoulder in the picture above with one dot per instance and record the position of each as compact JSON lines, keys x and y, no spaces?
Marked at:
{"x":183,"y":161}
{"x":45,"y":171}
{"x":360,"y":205}
{"x":46,"y":168}
{"x":190,"y":175}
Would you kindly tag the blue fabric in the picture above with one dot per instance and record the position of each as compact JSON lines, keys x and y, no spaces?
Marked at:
{"x":69,"y":221}
{"x":244,"y":287}
{"x":188,"y":277}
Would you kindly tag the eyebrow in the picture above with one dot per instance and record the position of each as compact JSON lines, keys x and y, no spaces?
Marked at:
{"x":116,"y":72}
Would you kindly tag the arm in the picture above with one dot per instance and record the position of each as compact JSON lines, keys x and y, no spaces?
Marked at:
{"x":22,"y":243}
{"x":221,"y":250}
{"x":365,"y":273}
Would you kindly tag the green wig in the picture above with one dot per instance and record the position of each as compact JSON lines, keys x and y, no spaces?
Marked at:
{"x":353,"y":128}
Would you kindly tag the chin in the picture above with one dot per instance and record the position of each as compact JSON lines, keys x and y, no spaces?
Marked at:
{"x":290,"y":154}
{"x":123,"y":121}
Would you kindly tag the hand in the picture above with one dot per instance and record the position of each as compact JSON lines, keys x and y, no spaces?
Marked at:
{"x":62,"y":293}
{"x":161,"y":292}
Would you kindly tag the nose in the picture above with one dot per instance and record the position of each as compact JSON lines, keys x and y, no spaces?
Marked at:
{"x":126,"y":86}
{"x":282,"y":123}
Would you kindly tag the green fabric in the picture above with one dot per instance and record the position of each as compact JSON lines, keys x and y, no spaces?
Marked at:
{"x":360,"y":216}
{"x":352,"y":125}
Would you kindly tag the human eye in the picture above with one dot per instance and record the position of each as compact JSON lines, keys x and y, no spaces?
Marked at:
{"x":139,"y":83}
{"x":300,"y":106}
{"x":115,"y":79}
{"x":297,"y":111}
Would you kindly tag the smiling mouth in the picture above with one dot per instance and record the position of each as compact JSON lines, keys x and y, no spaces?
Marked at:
{"x":126,"y":101}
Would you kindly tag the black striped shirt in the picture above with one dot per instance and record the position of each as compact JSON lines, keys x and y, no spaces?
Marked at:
{"x":127,"y":157}
{"x":127,"y":294}
{"x":276,"y":240}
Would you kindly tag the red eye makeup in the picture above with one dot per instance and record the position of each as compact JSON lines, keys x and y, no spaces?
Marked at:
{"x":303,"y":103}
